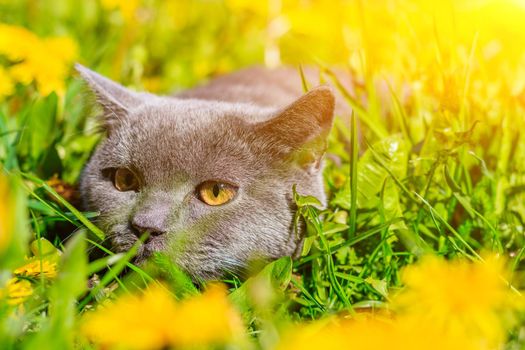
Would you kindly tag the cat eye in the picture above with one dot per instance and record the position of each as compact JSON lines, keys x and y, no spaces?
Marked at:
{"x":125,"y":180}
{"x":216,"y":193}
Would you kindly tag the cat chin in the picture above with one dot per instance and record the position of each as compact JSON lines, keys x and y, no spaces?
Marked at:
{"x":152,"y":245}
{"x":201,"y":263}
{"x":195,"y":269}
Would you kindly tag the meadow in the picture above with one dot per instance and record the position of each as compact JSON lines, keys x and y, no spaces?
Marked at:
{"x":422,"y":244}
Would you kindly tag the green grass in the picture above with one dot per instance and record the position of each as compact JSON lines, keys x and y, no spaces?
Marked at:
{"x":427,"y":173}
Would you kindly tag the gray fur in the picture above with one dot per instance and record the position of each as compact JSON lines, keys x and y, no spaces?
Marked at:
{"x":251,"y":129}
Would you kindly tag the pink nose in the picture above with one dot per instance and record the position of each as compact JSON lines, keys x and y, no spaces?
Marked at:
{"x":152,"y":215}
{"x":144,"y":224}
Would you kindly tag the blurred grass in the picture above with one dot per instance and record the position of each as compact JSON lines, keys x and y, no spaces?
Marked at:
{"x":440,"y":166}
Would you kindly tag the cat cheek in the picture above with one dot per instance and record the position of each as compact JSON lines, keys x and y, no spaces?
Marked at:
{"x":199,"y":212}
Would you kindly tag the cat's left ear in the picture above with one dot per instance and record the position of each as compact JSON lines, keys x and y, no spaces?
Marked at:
{"x":301,"y":129}
{"x":114,"y":98}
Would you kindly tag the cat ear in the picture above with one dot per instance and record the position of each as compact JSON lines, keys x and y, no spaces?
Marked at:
{"x":115,"y":99}
{"x":302,"y":127}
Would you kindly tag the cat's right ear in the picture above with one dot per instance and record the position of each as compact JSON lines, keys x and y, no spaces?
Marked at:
{"x":116,"y":100}
{"x":300,"y":129}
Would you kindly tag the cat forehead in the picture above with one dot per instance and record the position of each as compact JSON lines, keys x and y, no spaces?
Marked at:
{"x":197,"y":138}
{"x":193,"y":113}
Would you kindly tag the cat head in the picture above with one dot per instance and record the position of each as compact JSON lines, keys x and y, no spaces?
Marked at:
{"x":209,"y":183}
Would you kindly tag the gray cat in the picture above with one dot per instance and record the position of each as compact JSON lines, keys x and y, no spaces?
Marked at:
{"x":207,"y":174}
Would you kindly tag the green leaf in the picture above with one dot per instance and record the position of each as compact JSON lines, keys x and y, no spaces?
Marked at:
{"x":379,"y":285}
{"x":49,"y":163}
{"x":390,"y":153}
{"x":303,"y":201}
{"x":332,"y":227}
{"x":92,"y":228}
{"x":15,"y":204}
{"x":180,"y":281}
{"x":265,"y":289}
{"x":42,"y":247}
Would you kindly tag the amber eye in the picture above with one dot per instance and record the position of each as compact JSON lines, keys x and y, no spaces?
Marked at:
{"x":125,"y":180}
{"x":216,"y":193}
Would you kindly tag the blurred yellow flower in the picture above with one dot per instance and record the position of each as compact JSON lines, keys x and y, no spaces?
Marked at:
{"x":205,"y":319}
{"x":154,"y":320}
{"x":370,"y":332}
{"x":17,"y":291}
{"x":457,"y":296}
{"x":323,"y":334}
{"x":44,"y":61}
{"x":19,"y":287}
{"x":135,"y":322}
{"x":38,"y":266}
{"x":7,"y":85}
{"x":16,"y":43}
{"x":444,"y":305}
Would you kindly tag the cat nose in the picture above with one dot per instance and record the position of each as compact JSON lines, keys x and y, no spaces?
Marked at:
{"x":147,"y":225}
{"x":152,"y":215}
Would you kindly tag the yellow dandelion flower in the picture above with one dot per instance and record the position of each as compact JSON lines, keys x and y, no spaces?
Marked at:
{"x":410,"y":333}
{"x":16,"y":291}
{"x":7,"y":85}
{"x":64,"y":48}
{"x":16,"y":43}
{"x":205,"y":319}
{"x":154,"y":320}
{"x":44,"y":61}
{"x":370,"y":333}
{"x":134,"y":322}
{"x":392,"y":333}
{"x":36,"y":266}
{"x":457,"y":297}
{"x":323,"y":334}
{"x":445,"y":305}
